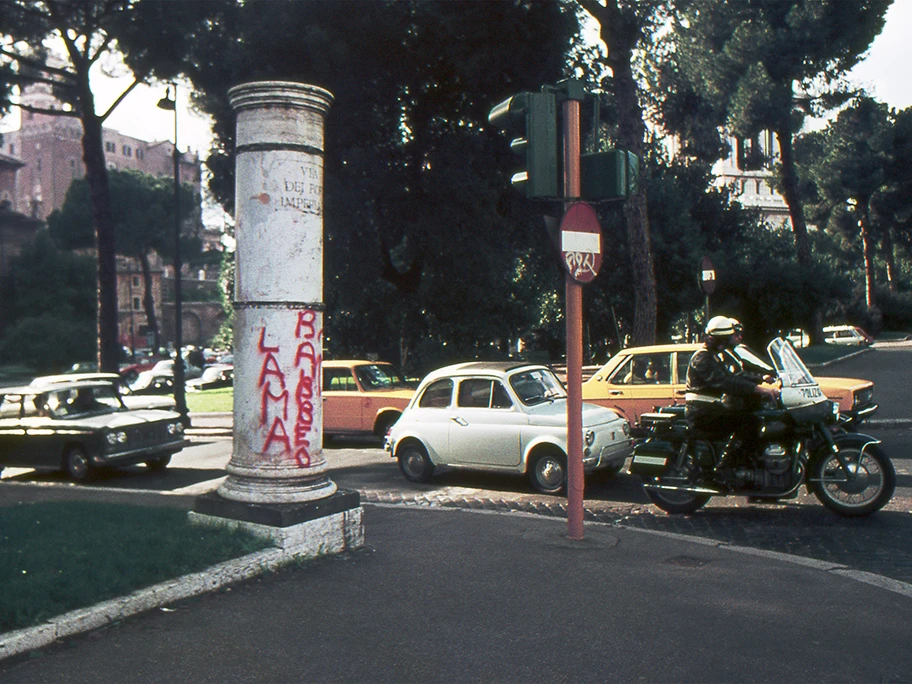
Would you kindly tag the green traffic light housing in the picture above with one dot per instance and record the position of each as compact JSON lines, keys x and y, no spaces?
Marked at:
{"x":607,"y":176}
{"x":532,"y":118}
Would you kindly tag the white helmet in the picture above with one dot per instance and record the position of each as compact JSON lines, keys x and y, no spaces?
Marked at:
{"x":720,"y":326}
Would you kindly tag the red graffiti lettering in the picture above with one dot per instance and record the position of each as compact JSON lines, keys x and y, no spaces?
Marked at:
{"x":265,"y":398}
{"x":306,"y":320}
{"x":262,"y":343}
{"x":277,"y":433}
{"x":306,"y":351}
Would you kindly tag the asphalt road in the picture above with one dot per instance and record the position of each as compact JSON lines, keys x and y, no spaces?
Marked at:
{"x":881,"y":543}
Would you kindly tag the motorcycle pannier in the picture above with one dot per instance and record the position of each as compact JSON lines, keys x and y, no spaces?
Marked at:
{"x":651,"y":458}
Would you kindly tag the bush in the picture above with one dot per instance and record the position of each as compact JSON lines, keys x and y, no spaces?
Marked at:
{"x":896,"y":308}
{"x":48,"y":343}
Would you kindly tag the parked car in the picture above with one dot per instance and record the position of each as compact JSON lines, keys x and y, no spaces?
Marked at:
{"x":849,"y":335}
{"x":129,"y":399}
{"x":640,"y":379}
{"x":214,"y":377}
{"x":160,"y":378}
{"x":798,"y":337}
{"x":81,"y":426}
{"x":501,"y":417}
{"x":362,"y":397}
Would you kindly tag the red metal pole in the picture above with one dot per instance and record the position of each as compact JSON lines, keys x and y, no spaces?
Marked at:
{"x":574,"y":312}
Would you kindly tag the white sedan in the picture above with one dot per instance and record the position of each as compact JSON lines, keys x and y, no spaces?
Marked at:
{"x":501,"y":417}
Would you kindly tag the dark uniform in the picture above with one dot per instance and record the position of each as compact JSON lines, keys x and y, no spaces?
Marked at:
{"x":709,"y":379}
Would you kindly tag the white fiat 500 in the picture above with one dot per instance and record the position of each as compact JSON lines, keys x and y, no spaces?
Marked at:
{"x":501,"y":417}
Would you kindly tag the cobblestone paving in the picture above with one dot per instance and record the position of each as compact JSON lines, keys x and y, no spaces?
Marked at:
{"x":879,"y":544}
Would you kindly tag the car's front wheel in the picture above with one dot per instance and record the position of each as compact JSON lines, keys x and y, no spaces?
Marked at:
{"x":159,"y":462}
{"x":77,"y":465}
{"x":415,"y":463}
{"x":548,"y":472}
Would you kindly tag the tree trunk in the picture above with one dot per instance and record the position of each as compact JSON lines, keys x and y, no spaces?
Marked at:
{"x":97,"y":179}
{"x":149,"y":301}
{"x":621,"y":34}
{"x":867,"y":250}
{"x":790,"y":191}
{"x":890,"y":259}
{"x":799,"y":225}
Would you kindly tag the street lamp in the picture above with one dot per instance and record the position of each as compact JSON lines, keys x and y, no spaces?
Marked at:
{"x":180,"y":398}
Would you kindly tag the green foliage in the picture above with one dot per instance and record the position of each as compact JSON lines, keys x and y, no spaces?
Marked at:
{"x":49,"y":307}
{"x":57,"y":557}
{"x":142,"y":210}
{"x":424,"y":238}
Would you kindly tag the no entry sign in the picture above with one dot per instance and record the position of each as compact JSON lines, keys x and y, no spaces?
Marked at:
{"x":581,"y":242}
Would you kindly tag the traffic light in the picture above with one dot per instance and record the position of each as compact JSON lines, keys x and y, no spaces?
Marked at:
{"x":532,"y":119}
{"x":611,"y":175}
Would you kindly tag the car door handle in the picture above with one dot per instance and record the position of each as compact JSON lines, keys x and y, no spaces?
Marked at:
{"x":615,"y":393}
{"x":459,"y":421}
{"x":680,"y":393}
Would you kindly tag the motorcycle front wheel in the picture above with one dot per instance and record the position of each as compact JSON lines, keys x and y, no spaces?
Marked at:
{"x":865,"y":485}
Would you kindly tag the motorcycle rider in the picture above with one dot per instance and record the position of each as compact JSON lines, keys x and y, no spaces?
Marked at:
{"x":709,"y":380}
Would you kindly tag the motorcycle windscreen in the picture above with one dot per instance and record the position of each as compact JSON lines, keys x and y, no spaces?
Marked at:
{"x":799,"y":388}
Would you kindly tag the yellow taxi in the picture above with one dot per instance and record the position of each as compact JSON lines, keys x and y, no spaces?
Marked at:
{"x":640,"y":379}
{"x":362,"y":397}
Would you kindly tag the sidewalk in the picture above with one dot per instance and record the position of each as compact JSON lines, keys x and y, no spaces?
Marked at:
{"x":450,"y":595}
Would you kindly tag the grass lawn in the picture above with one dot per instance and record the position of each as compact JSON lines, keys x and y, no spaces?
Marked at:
{"x":60,"y":556}
{"x":211,"y":401}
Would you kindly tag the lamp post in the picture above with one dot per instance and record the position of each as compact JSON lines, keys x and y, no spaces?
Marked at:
{"x":180,"y":398}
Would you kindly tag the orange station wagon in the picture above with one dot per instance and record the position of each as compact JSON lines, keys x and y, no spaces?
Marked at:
{"x":639,"y":379}
{"x":362,"y":397}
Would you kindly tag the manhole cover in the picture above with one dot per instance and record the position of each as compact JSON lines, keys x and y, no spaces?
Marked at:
{"x":687,"y":561}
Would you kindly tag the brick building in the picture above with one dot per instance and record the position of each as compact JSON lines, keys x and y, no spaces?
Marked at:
{"x":40,"y":160}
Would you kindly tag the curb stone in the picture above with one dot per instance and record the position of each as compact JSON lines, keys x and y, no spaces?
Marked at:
{"x":106,"y":612}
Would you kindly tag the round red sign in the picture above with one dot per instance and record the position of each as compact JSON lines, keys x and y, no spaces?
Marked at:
{"x":581,"y":242}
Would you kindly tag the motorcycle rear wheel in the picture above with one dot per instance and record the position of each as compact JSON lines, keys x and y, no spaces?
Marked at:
{"x":676,"y":502}
{"x":870,"y":490}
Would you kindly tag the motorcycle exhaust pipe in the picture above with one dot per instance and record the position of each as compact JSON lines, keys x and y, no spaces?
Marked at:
{"x":676,"y":488}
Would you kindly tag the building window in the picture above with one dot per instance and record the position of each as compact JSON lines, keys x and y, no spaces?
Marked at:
{"x":110,"y":147}
{"x":12,"y":149}
{"x":38,"y":164}
{"x":127,"y":151}
{"x":137,"y":281}
{"x":139,"y":154}
{"x":137,"y":304}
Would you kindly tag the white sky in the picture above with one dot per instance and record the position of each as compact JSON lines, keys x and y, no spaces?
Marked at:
{"x":884,"y":73}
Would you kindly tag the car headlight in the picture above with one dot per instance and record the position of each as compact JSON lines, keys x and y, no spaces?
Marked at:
{"x":115,"y":438}
{"x":175,"y":428}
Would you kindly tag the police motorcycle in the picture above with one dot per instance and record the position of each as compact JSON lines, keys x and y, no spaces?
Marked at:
{"x":847,"y":472}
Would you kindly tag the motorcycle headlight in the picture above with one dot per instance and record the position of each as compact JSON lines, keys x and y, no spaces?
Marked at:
{"x":834,"y":410}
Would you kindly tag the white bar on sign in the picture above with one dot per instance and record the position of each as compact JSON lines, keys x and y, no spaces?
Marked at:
{"x":573,"y":241}
{"x":709,"y":275}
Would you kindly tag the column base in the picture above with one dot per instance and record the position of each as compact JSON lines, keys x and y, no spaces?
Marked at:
{"x":313,"y":528}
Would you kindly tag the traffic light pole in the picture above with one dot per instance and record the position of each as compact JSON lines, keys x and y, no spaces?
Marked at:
{"x":574,"y":313}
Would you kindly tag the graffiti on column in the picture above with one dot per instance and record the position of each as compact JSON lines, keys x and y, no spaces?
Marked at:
{"x":274,"y":395}
{"x":307,"y":361}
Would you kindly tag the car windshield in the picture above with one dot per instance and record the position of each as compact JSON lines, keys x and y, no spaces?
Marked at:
{"x":377,"y":377}
{"x":75,"y":402}
{"x":535,"y":386}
